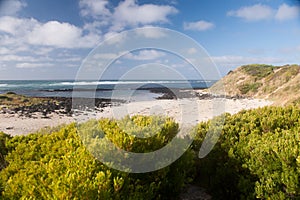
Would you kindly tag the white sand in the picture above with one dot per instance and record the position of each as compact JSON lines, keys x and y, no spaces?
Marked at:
{"x":184,"y":111}
{"x":14,"y":125}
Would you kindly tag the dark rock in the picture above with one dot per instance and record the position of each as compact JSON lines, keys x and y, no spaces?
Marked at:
{"x":230,"y":72}
{"x":174,"y":93}
{"x":7,"y":111}
{"x":167,"y":96}
{"x":204,"y":96}
{"x":10,"y":93}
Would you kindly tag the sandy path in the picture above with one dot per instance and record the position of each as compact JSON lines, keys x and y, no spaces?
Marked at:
{"x":184,"y":111}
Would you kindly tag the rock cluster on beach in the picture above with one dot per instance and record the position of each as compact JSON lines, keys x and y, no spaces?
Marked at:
{"x":58,"y":105}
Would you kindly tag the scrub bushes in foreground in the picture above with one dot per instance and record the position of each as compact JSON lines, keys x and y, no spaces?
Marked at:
{"x":256,"y":156}
{"x":58,"y":165}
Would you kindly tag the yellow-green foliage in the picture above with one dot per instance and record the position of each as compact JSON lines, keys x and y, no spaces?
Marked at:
{"x":257,"y":155}
{"x":3,"y":149}
{"x":249,"y":87}
{"x":13,"y":100}
{"x":258,"y":70}
{"x":58,"y":165}
{"x":136,"y":134}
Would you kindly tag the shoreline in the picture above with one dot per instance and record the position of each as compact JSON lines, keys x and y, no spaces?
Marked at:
{"x":185,"y":111}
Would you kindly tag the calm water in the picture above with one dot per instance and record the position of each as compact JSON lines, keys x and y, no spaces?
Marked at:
{"x":138,"y":90}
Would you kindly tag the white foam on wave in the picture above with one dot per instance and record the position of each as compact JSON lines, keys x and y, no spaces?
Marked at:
{"x":3,"y":85}
{"x":111,"y":82}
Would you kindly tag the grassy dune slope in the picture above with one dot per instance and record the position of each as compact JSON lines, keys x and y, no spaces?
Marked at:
{"x":280,"y":84}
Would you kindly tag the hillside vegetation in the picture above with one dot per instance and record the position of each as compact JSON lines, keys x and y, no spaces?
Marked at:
{"x":280,"y":84}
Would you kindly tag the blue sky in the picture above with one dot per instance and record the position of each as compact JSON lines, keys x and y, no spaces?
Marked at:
{"x":42,"y":39}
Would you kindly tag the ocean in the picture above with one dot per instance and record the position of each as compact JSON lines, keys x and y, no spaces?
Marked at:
{"x":138,"y":90}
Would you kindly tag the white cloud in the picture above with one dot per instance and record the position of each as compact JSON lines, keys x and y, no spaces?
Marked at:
{"x":94,"y":8}
{"x":11,"y":7}
{"x":51,"y":33}
{"x":17,"y":58}
{"x":106,"y":56}
{"x":198,"y":26}
{"x":232,"y":60}
{"x":69,"y":59}
{"x":192,"y":51}
{"x":16,"y":26}
{"x":259,"y":12}
{"x":253,"y":13}
{"x":30,"y":43}
{"x":41,"y":50}
{"x":286,"y":12}
{"x":111,"y":35}
{"x":127,"y":13}
{"x":4,"y":50}
{"x":95,"y":26}
{"x":54,"y":33}
{"x":145,"y":55}
{"x":33,"y":65}
{"x":87,"y":41}
{"x":150,"y":32}
{"x":16,"y":32}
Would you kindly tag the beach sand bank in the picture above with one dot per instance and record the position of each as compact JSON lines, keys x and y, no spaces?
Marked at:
{"x":188,"y":111}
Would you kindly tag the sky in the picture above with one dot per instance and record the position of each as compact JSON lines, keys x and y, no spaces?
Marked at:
{"x":42,"y":39}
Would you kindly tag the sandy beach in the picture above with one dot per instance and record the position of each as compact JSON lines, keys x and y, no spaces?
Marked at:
{"x":188,"y":111}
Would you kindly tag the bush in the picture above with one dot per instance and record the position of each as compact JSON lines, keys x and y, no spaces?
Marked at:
{"x":3,"y":149}
{"x":249,"y":87}
{"x":257,"y":155}
{"x":258,"y":71}
{"x":59,"y":166}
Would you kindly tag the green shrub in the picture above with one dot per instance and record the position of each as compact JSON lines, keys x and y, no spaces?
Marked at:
{"x":257,"y":155}
{"x":3,"y":152}
{"x":249,"y":87}
{"x":3,"y":149}
{"x":258,"y":71}
{"x":59,"y":166}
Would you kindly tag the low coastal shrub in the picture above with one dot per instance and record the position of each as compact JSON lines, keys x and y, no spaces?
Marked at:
{"x":258,"y":71}
{"x":256,"y":156}
{"x":59,"y":166}
{"x":3,"y":149}
{"x":249,"y":87}
{"x":286,"y":73}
